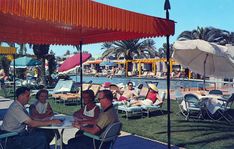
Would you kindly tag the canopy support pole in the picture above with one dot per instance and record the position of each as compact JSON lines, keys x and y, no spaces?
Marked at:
{"x":167,"y":7}
{"x":204,"y":80}
{"x":81,"y":75}
{"x":14,"y":75}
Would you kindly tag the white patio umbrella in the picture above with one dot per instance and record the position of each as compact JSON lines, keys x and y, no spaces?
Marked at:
{"x":208,"y":59}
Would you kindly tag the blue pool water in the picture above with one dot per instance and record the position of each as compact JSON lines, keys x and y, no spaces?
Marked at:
{"x":161,"y":82}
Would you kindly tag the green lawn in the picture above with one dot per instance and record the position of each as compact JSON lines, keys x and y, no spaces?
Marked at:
{"x":193,"y":134}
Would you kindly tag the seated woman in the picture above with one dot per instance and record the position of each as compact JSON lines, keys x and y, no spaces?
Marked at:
{"x":40,"y":110}
{"x":89,"y":112}
{"x":151,"y":98}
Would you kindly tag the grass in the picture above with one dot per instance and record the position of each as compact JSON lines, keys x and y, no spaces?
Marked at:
{"x":193,"y":134}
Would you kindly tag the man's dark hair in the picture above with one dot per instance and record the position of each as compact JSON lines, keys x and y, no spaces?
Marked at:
{"x":21,"y":90}
{"x":41,"y":91}
{"x":90,"y":93}
{"x":108,"y":94}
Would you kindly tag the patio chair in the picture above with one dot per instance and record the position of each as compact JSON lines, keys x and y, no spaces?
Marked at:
{"x":4,"y":135}
{"x":192,"y":106}
{"x":109,"y":135}
{"x":215,"y":92}
{"x":155,"y":106}
{"x":226,"y":106}
{"x":179,"y":97}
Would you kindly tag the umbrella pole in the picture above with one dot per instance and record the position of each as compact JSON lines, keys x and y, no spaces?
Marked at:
{"x":81,"y":75}
{"x":204,"y":80}
{"x":167,"y":7}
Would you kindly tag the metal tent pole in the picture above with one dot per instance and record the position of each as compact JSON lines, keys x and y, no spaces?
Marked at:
{"x":14,"y":75}
{"x":81,"y":75}
{"x":167,"y":7}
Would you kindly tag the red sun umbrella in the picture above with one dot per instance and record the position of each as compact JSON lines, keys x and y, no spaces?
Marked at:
{"x":73,"y":62}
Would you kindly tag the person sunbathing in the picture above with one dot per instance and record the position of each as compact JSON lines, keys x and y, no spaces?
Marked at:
{"x":128,"y":94}
{"x":151,"y":98}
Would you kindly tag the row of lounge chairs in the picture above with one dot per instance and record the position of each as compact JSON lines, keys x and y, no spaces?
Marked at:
{"x":193,"y":105}
{"x":73,"y":97}
{"x":140,"y":110}
{"x":62,"y":93}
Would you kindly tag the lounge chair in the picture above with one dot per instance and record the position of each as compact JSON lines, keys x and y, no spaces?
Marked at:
{"x":74,"y":97}
{"x":143,"y":93}
{"x":130,"y":111}
{"x":62,"y":86}
{"x":95,"y":88}
{"x":155,"y":106}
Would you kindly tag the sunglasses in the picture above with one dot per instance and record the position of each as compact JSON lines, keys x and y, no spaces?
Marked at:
{"x":101,"y":98}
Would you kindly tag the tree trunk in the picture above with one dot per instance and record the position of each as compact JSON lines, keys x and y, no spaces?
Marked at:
{"x":43,"y":72}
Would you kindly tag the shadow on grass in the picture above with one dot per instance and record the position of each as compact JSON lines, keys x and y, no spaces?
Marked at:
{"x":203,"y":133}
{"x":158,"y":113}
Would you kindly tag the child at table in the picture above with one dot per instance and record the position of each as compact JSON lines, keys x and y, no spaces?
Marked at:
{"x":40,"y":110}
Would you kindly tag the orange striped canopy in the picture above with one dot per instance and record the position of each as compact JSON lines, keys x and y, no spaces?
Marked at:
{"x":68,"y":22}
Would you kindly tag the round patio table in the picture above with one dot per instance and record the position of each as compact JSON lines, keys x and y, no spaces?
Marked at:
{"x":67,"y":124}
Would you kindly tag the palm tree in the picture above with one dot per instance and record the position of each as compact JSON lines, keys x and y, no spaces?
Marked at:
{"x":129,"y":49}
{"x":41,"y":52}
{"x":161,"y":52}
{"x":209,"y":34}
{"x":52,"y":65}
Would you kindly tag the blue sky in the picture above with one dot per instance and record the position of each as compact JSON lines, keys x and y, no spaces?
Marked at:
{"x":187,"y":13}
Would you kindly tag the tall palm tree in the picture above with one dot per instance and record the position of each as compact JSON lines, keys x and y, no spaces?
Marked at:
{"x":209,"y":34}
{"x":130,"y":49}
{"x":161,"y":52}
{"x":41,"y":52}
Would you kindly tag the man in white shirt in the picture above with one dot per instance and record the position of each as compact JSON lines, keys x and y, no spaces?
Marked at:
{"x":17,"y":119}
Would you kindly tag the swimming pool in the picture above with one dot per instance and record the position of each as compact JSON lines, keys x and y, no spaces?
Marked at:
{"x":162,"y":83}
